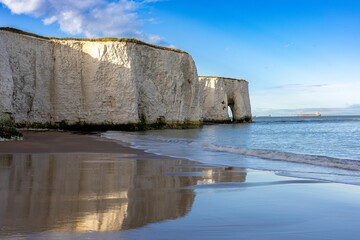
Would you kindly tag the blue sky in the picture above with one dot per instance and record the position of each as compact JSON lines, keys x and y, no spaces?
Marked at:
{"x":298,"y":55}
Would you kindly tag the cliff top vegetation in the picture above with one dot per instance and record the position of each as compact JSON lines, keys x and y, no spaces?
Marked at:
{"x":226,"y":78}
{"x":107,"y":39}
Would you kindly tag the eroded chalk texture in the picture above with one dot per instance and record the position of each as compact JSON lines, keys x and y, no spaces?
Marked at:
{"x":50,"y":82}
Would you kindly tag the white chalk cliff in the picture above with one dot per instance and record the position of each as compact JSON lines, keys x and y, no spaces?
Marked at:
{"x":219,"y":93}
{"x":49,"y":81}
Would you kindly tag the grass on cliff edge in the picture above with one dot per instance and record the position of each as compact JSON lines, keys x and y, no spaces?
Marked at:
{"x":107,"y":39}
{"x":226,"y":78}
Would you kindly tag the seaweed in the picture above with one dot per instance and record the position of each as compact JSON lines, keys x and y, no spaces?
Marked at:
{"x":8,"y":130}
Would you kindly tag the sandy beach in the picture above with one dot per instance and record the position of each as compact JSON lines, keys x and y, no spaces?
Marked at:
{"x":61,"y":185}
{"x":62,"y":142}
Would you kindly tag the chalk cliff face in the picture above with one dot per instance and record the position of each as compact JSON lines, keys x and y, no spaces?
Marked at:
{"x":52,"y":81}
{"x":218,"y":93}
{"x":122,"y":83}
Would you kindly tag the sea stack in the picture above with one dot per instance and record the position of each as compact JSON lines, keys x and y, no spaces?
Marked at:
{"x":219,"y":93}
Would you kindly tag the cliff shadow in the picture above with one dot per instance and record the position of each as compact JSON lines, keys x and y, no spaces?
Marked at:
{"x":78,"y":193}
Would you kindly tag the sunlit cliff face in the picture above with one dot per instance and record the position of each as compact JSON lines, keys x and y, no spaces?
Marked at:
{"x":97,"y":192}
{"x":50,"y":81}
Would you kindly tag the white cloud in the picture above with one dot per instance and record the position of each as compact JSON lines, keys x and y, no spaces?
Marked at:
{"x":50,"y":20}
{"x":71,"y":22}
{"x":91,"y":18}
{"x":32,"y":7}
{"x":288,"y":45}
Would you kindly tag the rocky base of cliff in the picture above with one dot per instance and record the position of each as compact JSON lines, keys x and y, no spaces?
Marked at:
{"x":88,"y":127}
{"x":246,"y":119}
{"x":8,"y":130}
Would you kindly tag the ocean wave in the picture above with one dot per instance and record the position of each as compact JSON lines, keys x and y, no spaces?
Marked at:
{"x":324,"y":161}
{"x":135,"y":138}
{"x":164,"y":145}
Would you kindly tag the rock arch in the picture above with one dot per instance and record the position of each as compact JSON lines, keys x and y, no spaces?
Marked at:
{"x":219,"y":93}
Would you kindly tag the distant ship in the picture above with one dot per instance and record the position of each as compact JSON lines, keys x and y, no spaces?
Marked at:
{"x":309,"y":115}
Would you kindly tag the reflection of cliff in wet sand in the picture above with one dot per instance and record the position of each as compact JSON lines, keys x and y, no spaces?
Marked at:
{"x":96,"y":192}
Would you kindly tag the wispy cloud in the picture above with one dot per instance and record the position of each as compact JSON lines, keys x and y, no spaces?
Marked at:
{"x":299,"y":86}
{"x":284,"y":86}
{"x":91,"y":18}
{"x":350,"y":110}
{"x":288,"y":45}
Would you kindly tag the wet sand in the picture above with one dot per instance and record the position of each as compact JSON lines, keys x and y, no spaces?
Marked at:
{"x":60,"y":185}
{"x":63,"y":142}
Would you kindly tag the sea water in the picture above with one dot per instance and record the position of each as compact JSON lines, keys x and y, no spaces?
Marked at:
{"x":325,"y":148}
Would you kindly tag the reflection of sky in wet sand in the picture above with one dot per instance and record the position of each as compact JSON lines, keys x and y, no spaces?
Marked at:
{"x":97,"y":192}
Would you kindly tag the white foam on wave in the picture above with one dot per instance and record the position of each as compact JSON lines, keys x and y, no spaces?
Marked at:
{"x":134,"y":139}
{"x":150,"y":143}
{"x":323,"y":161}
{"x":146,"y":142}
